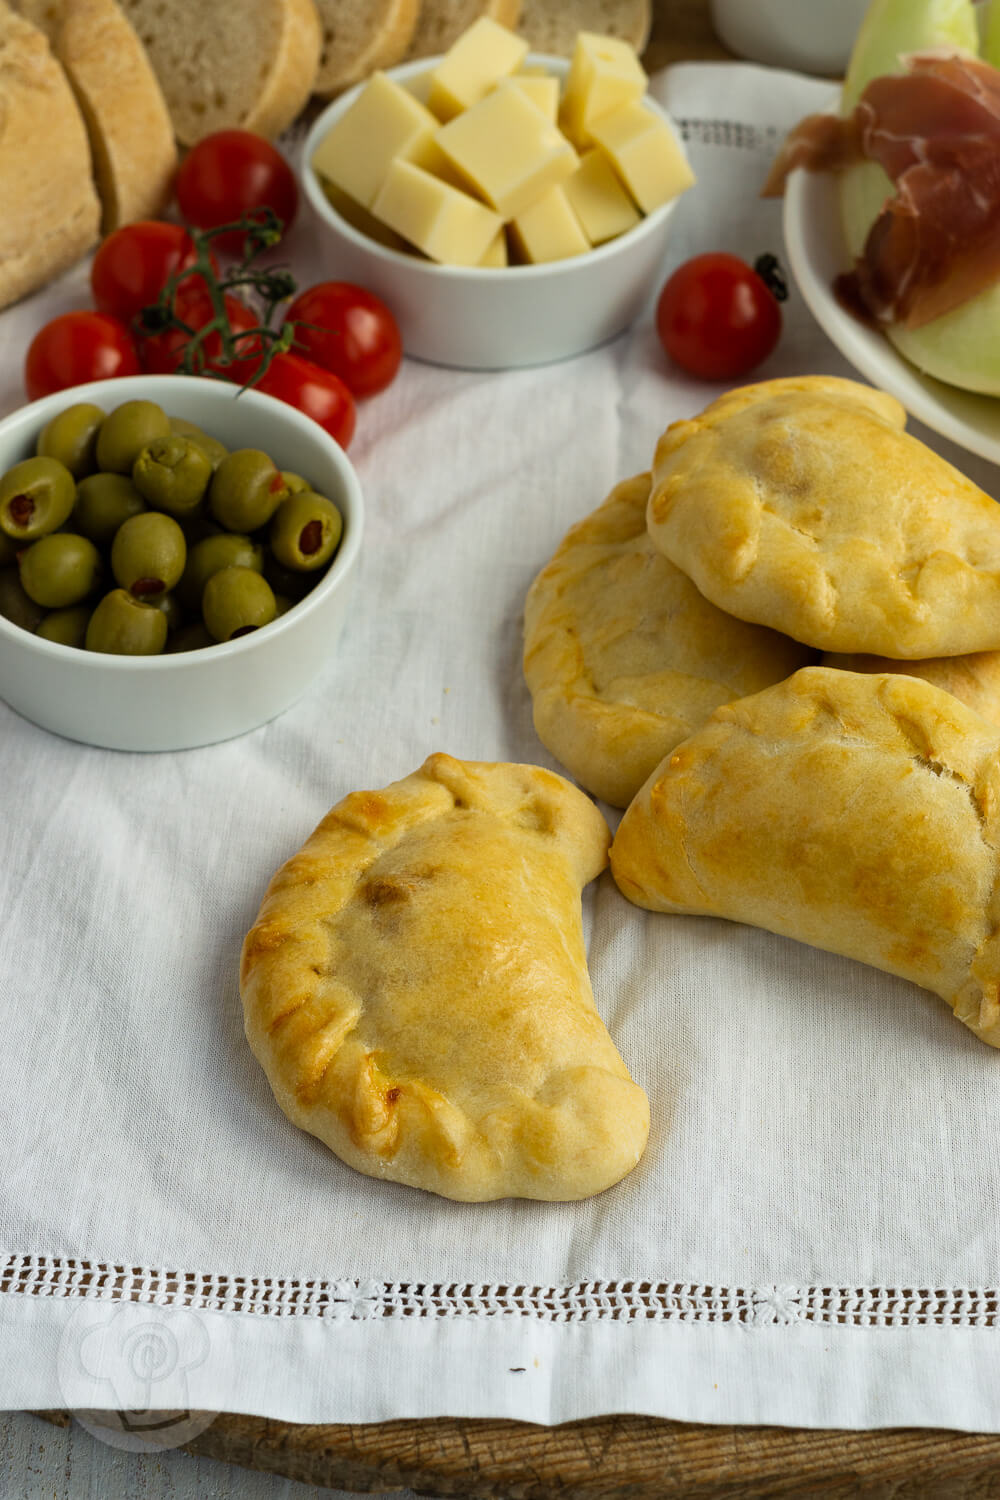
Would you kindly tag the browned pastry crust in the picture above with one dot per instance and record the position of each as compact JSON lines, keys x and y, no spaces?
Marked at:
{"x":622,"y":655}
{"x":415,"y":987}
{"x":803,"y":505}
{"x":857,"y":813}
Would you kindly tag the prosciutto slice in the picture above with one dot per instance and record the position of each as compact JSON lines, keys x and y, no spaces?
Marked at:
{"x":935,"y":129}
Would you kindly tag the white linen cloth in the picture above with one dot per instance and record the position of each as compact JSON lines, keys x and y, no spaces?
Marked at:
{"x":812,"y":1235}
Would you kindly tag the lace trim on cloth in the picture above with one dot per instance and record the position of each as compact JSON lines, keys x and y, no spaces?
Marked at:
{"x":588,"y":1301}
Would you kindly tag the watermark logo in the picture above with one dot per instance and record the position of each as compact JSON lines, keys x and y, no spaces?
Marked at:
{"x":125,"y":1372}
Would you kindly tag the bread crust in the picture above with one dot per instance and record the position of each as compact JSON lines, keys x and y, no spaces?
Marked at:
{"x":415,"y":987}
{"x":803,"y":505}
{"x":974,"y":680}
{"x":377,"y":36}
{"x":622,"y":655}
{"x":45,"y":164}
{"x":553,"y":27}
{"x":132,"y":138}
{"x":441,"y":22}
{"x":857,"y":813}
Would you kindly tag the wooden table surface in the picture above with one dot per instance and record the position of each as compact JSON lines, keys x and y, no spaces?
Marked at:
{"x":614,"y":1456}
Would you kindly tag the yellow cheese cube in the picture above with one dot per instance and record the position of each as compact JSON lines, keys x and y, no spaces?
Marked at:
{"x":482,"y":55}
{"x":443,"y":222}
{"x":543,"y":91}
{"x":496,"y":251}
{"x":598,"y":199}
{"x":548,"y":229}
{"x":604,"y":74}
{"x":363,"y":220}
{"x":645,"y":153}
{"x":383,"y":124}
{"x":507,"y":150}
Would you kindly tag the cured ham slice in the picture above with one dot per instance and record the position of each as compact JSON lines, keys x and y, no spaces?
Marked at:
{"x":935,"y":130}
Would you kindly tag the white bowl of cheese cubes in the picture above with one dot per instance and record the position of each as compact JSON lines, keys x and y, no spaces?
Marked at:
{"x":511,"y":208}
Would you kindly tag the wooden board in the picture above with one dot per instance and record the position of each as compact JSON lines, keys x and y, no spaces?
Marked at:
{"x":614,"y":1456}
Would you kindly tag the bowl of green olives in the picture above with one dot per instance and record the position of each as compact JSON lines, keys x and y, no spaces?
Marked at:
{"x":176,"y":560}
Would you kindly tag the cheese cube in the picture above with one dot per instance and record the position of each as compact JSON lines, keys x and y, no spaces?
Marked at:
{"x":496,"y":251}
{"x":482,"y":55}
{"x":363,"y":220}
{"x":548,"y":229}
{"x":645,"y":153}
{"x":385,"y":123}
{"x":507,"y":150}
{"x":598,"y":199}
{"x":604,"y":74}
{"x":443,"y":222}
{"x":541,"y":91}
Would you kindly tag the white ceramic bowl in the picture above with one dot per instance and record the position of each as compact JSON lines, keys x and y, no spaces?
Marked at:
{"x":494,"y":318}
{"x":195,"y":697}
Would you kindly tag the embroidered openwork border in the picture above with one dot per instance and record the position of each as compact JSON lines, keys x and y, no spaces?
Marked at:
{"x":588,"y":1301}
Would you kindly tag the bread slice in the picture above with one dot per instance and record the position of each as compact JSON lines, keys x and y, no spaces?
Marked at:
{"x":443,"y":21}
{"x":52,"y":211}
{"x":131,"y":137}
{"x":221,"y":66}
{"x":360,"y":38}
{"x":552,"y":25}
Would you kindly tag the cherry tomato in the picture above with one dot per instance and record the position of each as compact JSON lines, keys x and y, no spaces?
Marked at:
{"x":163,"y":353}
{"x":229,"y":174}
{"x":77,"y":347}
{"x":355,"y":335}
{"x":316,"y":392}
{"x":133,"y":264}
{"x":717,"y":318}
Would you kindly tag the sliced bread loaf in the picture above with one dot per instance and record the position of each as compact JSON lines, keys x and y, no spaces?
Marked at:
{"x":552,"y":25}
{"x":221,"y":66}
{"x":443,"y":21}
{"x":359,"y":38}
{"x":131,"y":137}
{"x":46,"y":182}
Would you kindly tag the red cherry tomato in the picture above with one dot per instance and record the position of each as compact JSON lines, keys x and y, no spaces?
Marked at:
{"x":717,"y":318}
{"x":316,"y":392}
{"x":163,"y":353}
{"x":232,"y":173}
{"x":77,"y":347}
{"x":133,"y":264}
{"x":351,"y":333}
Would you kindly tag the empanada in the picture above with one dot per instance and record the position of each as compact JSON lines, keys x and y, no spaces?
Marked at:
{"x":415,"y":987}
{"x":803,"y":505}
{"x":857,"y":813}
{"x":624,"y":657}
{"x":974,"y":680}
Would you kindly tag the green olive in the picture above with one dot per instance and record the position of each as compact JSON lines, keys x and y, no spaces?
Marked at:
{"x":15,"y":605}
{"x":294,"y":482}
{"x":60,"y":570}
{"x":172,"y":474}
{"x":68,"y":627}
{"x":103,"y":502}
{"x":36,"y":497}
{"x":211,"y":555}
{"x":124,"y":626}
{"x":170,"y":606}
{"x":192,"y":637}
{"x":236,"y":601}
{"x":148,"y":554}
{"x":246,"y":490}
{"x":126,"y":431}
{"x":216,"y":451}
{"x":71,"y":437}
{"x":305,"y":531}
{"x":294,"y":584}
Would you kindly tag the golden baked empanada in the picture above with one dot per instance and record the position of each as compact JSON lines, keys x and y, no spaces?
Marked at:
{"x":415,"y":987}
{"x":803,"y":505}
{"x":974,"y":680}
{"x":624,"y":657}
{"x":857,"y":813}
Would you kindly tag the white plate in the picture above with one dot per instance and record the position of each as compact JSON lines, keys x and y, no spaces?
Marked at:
{"x":817,"y":253}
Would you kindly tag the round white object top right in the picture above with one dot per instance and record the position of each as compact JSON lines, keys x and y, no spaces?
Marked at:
{"x":811,"y":36}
